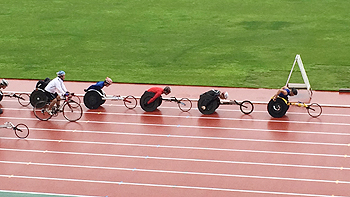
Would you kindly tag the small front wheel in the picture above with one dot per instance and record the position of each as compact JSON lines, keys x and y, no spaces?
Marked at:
{"x":185,"y":104}
{"x":41,"y":110}
{"x":246,"y":107}
{"x":24,"y":99}
{"x":72,"y":111}
{"x":314,"y":110}
{"x":21,"y":130}
{"x":130,"y":102}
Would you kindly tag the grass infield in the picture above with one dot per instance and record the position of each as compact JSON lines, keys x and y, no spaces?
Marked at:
{"x":190,"y":42}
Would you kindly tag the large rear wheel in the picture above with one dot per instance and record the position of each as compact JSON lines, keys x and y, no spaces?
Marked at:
{"x":72,"y":111}
{"x":152,"y":106}
{"x":37,"y":96}
{"x":277,"y":108}
{"x":92,"y":99}
{"x":206,"y":105}
{"x":41,"y":111}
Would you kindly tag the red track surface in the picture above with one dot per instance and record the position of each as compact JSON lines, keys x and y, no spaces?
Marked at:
{"x":113,"y":151}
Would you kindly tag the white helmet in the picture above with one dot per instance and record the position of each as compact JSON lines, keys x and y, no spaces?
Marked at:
{"x":226,"y":95}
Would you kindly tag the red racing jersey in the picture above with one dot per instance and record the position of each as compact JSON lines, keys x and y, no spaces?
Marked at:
{"x":158,"y":92}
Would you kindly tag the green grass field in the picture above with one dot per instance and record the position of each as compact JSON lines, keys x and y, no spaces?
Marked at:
{"x":193,"y":42}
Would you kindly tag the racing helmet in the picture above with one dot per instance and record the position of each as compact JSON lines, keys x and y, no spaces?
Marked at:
{"x":60,"y":73}
{"x":224,"y":95}
{"x":4,"y":82}
{"x":108,"y":80}
{"x":167,"y":90}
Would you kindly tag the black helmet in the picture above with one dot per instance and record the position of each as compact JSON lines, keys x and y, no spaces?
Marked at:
{"x":295,"y":91}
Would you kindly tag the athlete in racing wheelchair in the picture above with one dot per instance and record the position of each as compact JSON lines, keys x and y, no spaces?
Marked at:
{"x":94,"y":95}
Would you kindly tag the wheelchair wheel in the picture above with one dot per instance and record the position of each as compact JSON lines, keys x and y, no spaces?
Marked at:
{"x":1,"y":95}
{"x":37,"y":96}
{"x":152,"y":106}
{"x":246,"y":107}
{"x":210,"y":105}
{"x":314,"y":110}
{"x":277,"y":108}
{"x":92,"y":99}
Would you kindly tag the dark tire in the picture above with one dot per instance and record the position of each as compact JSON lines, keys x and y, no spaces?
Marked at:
{"x":41,"y":111}
{"x":21,"y":130}
{"x":24,"y":99}
{"x":103,"y":101}
{"x":277,"y":108}
{"x":210,"y":107}
{"x":38,"y":96}
{"x":152,"y":106}
{"x":130,"y":102}
{"x":1,"y":95}
{"x":72,"y":111}
{"x":92,"y":99}
{"x":246,"y":107}
{"x":185,"y":104}
{"x":314,"y":110}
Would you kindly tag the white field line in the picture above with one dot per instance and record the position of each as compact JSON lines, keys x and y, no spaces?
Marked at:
{"x":189,"y":159}
{"x":181,"y":136}
{"x":193,"y":108}
{"x":171,"y":158}
{"x":189,"y":136}
{"x":208,"y":118}
{"x":177,"y":172}
{"x":162,"y":185}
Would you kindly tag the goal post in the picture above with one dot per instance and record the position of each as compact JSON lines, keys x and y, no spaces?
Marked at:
{"x":306,"y":85}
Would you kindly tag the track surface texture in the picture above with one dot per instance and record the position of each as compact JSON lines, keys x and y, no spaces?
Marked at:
{"x":114,"y":151}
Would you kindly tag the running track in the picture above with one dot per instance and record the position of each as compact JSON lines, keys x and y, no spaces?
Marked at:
{"x":113,"y":151}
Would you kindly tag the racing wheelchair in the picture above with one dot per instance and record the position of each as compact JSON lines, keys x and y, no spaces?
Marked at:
{"x":212,"y":101}
{"x":279,"y":107}
{"x":95,"y":98}
{"x":184,"y":104}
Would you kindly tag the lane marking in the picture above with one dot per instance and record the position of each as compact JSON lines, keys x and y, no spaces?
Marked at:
{"x":163,"y":125}
{"x":214,"y":118}
{"x":177,"y":172}
{"x":184,"y":136}
{"x":170,"y":186}
{"x":171,"y":158}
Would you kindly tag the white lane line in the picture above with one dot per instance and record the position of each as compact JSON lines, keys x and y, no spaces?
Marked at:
{"x":166,"y":158}
{"x":204,"y":137}
{"x":156,"y":125}
{"x":39,"y":193}
{"x":220,"y":118}
{"x":178,"y":172}
{"x":188,"y":137}
{"x":163,"y":185}
{"x":173,"y":135}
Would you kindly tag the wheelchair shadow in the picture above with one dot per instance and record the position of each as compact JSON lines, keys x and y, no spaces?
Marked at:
{"x":209,"y":120}
{"x":279,"y":129}
{"x":154,"y":117}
